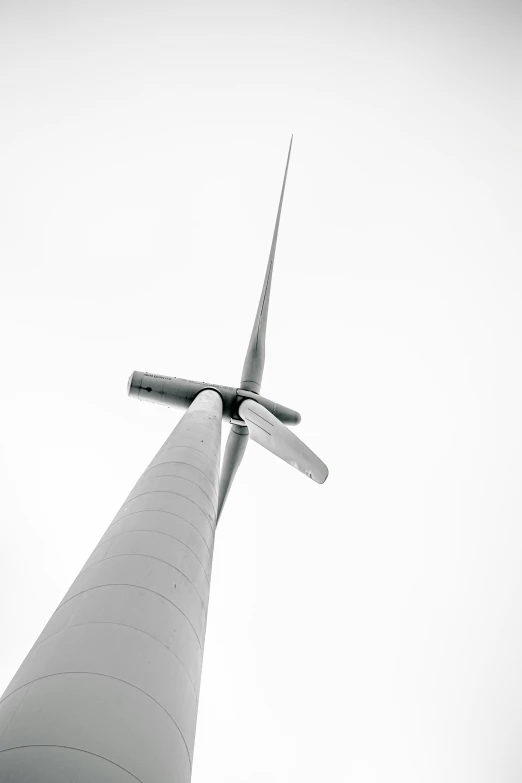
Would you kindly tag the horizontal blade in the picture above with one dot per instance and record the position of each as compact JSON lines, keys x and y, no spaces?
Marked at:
{"x":234,"y":450}
{"x":271,"y":433}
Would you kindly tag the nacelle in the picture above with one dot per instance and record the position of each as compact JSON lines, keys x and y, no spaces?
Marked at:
{"x":179,"y":393}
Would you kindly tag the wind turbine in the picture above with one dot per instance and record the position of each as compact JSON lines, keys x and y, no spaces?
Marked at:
{"x":109,"y":691}
{"x":250,"y":414}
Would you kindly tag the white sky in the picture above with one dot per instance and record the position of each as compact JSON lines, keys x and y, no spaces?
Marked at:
{"x":368,"y":630}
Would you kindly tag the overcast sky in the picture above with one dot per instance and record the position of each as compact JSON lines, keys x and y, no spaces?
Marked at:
{"x":370,"y":629}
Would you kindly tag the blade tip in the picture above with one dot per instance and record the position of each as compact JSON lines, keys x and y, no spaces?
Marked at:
{"x":327,"y":473}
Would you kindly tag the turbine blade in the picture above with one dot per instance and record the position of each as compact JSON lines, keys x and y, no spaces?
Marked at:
{"x":271,"y":433}
{"x":255,"y":357}
{"x":234,"y":450}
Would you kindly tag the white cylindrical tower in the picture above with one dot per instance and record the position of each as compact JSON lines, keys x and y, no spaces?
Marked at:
{"x":109,"y":691}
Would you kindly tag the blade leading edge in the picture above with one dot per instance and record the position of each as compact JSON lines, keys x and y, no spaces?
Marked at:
{"x":255,"y":356}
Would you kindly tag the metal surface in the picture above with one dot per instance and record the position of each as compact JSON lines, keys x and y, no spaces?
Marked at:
{"x":269,"y":432}
{"x":109,"y":691}
{"x":179,"y":393}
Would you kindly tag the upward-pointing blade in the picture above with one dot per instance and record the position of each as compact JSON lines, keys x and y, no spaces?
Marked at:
{"x":255,"y":356}
{"x":271,"y":433}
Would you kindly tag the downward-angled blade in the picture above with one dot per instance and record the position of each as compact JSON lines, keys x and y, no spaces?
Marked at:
{"x":271,"y":433}
{"x":234,"y":450}
{"x":255,"y":356}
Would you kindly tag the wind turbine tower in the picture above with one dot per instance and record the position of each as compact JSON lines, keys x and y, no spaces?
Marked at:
{"x":109,"y":691}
